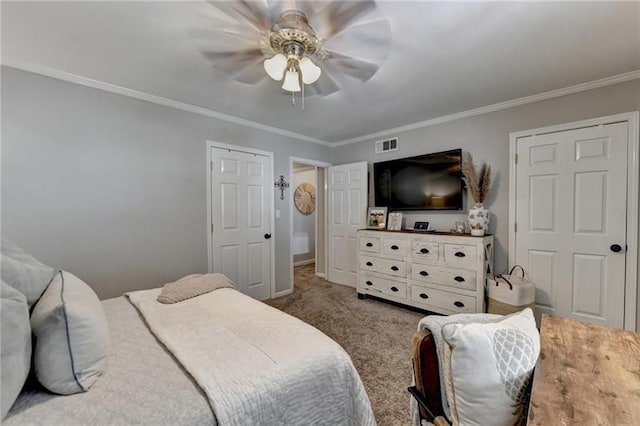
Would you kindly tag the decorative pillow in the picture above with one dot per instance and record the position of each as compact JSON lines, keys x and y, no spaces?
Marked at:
{"x":491,"y":367}
{"x":71,"y":336}
{"x":15,"y":345}
{"x":24,"y":272}
{"x":192,"y":286}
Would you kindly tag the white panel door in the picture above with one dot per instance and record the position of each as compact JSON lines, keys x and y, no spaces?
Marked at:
{"x":570,"y":215}
{"x":347,"y":213}
{"x":241,"y":205}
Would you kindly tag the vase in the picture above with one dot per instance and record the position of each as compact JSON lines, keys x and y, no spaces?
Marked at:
{"x":479,"y":220}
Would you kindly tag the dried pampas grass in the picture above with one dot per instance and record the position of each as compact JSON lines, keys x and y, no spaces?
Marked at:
{"x":477,"y":183}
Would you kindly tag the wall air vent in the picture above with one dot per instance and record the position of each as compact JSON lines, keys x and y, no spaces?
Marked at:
{"x":386,"y":145}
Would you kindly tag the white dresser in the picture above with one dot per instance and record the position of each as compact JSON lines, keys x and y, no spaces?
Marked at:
{"x":439,"y":272}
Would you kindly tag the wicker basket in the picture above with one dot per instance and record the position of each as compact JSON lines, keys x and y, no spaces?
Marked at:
{"x":500,"y":308}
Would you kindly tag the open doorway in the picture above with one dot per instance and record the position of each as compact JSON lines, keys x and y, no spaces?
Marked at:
{"x":308,"y":218}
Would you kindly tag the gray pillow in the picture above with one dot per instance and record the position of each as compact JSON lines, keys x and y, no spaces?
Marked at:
{"x":23,"y":272}
{"x":15,"y":345}
{"x":71,"y":336}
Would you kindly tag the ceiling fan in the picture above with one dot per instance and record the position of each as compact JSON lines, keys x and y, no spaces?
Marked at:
{"x":322,"y":44}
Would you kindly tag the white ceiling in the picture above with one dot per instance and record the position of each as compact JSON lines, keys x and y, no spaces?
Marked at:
{"x":445,"y":58}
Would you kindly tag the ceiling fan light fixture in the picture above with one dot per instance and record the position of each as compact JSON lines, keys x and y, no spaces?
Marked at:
{"x":276,"y":66}
{"x":310,"y":71}
{"x":291,"y":81}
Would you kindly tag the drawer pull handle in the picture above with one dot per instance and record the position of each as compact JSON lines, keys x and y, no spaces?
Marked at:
{"x":369,"y":283}
{"x":460,"y":254}
{"x":459,"y":304}
{"x":369,"y":245}
{"x":424,"y":273}
{"x":394,"y":288}
{"x":394,"y":247}
{"x":424,"y":296}
{"x":459,"y":279}
{"x":394,"y":268}
{"x":424,"y":251}
{"x":369,"y":264}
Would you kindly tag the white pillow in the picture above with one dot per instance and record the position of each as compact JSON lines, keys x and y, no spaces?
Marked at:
{"x":491,"y":367}
{"x":71,"y":336}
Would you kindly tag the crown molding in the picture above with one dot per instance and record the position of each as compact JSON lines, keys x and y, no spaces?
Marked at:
{"x":183,"y":106}
{"x":124,"y":91}
{"x":582,"y":87}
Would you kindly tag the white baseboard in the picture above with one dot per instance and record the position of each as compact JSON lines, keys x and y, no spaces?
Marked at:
{"x":321,"y":275}
{"x":304,"y":262}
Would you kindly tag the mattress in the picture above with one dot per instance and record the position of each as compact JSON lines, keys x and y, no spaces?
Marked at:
{"x":143,"y":384}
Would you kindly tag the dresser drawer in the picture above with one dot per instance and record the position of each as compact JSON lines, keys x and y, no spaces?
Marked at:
{"x":395,"y":246}
{"x":385,"y":286}
{"x":424,"y":250}
{"x":460,"y":256}
{"x":396,"y":268}
{"x":443,"y":299}
{"x":370,"y":244}
{"x":458,"y":278}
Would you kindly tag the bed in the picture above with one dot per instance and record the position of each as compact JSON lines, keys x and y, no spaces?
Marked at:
{"x":146,"y":381}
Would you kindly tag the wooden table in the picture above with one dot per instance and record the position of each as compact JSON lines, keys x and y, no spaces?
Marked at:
{"x":586,"y":375}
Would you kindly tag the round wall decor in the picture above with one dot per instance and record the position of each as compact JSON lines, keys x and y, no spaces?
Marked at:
{"x":305,"y":198}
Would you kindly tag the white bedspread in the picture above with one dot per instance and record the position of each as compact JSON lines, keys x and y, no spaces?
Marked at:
{"x":256,"y":364}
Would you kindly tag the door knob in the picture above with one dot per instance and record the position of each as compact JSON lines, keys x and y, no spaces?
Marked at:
{"x":267,"y":236}
{"x":616,"y":248}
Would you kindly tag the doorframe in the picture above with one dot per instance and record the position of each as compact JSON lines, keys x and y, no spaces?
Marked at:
{"x":316,"y":164}
{"x":213,"y":144}
{"x":633,"y":149}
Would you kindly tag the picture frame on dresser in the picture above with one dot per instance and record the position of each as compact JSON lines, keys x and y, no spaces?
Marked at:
{"x":421,"y":226}
{"x":377,"y":217}
{"x":394,"y":222}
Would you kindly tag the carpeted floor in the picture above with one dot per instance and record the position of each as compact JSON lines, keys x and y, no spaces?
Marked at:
{"x":377,"y":335}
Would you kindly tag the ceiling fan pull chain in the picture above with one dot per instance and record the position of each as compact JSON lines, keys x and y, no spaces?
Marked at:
{"x":302,"y":95}
{"x":293,"y":99}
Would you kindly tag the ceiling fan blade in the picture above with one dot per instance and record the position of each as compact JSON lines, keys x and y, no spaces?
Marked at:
{"x":336,"y":16}
{"x":229,"y":39}
{"x":324,"y":86}
{"x":348,"y":65}
{"x":256,"y":13}
{"x":252,"y":75}
{"x":244,"y":66}
{"x":371,"y":40}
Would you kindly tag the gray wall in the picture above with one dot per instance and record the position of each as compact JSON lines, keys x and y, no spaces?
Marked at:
{"x":304,"y":223}
{"x":113,"y":188}
{"x":487,"y":138}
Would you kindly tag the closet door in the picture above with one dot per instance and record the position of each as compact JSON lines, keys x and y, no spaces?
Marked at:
{"x":241,"y":208}
{"x":347,"y":213}
{"x":571,"y":208}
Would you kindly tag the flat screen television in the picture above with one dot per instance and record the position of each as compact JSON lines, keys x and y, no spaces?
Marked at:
{"x":425,"y":182}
